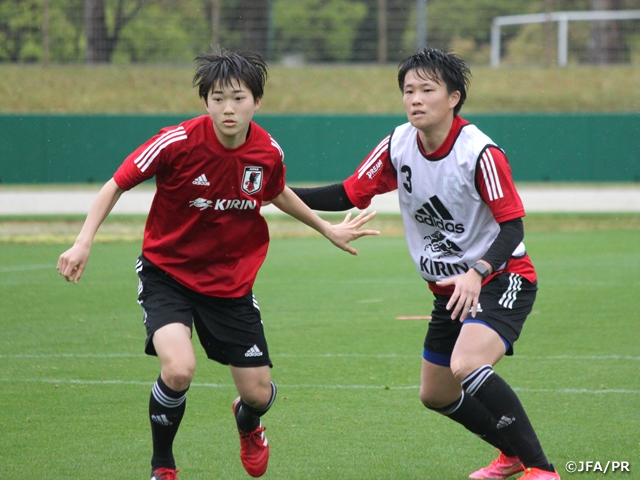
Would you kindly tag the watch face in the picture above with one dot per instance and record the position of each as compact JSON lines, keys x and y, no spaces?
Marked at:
{"x":481,"y":269}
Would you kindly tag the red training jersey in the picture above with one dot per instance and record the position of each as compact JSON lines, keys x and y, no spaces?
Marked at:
{"x":204,"y":226}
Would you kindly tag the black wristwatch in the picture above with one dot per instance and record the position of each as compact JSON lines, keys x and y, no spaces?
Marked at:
{"x":482,"y":269}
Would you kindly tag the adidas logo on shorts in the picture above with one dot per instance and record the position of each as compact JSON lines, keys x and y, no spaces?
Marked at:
{"x":253,"y":352}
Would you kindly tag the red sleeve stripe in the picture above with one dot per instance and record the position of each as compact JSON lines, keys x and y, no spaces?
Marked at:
{"x":373,"y":158}
{"x":151,"y":152}
{"x":490,"y":174}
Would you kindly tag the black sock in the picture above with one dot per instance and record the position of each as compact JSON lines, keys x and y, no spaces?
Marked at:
{"x":247,"y":417}
{"x":166,"y":409}
{"x":513,"y":423}
{"x":473,"y":416}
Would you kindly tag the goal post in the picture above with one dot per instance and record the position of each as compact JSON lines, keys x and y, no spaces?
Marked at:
{"x":563,"y":19}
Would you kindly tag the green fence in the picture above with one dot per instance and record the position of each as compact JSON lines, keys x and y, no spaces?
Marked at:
{"x":322,"y":148}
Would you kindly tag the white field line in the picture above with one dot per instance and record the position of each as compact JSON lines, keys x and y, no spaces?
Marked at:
{"x":73,"y":355}
{"x":24,"y":268}
{"x":316,"y":386}
{"x":59,"y":381}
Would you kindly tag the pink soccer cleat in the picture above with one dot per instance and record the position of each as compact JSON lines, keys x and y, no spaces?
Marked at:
{"x":538,"y":474}
{"x":501,"y":467}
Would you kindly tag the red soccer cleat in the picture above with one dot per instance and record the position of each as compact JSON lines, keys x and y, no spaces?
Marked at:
{"x":538,"y":474}
{"x":501,"y":467}
{"x":164,"y":474}
{"x":254,"y":449}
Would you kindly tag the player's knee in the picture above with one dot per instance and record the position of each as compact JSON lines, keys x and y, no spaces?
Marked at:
{"x":459,"y":368}
{"x":178,"y":376}
{"x":428,"y":401}
{"x":429,"y":397}
{"x":258,"y":398}
{"x":437,"y":401}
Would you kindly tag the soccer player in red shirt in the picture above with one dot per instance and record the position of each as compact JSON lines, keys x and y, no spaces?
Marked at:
{"x":463,"y":224}
{"x":204,"y":242}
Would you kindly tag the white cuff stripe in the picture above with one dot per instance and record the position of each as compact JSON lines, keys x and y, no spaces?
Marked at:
{"x":165,"y":400}
{"x":476,"y":379}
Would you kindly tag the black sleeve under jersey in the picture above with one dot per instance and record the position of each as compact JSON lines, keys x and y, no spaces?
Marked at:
{"x":329,"y":198}
{"x":333,"y":198}
{"x":510,"y":235}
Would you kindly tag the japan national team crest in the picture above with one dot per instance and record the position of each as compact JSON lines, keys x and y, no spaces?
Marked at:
{"x":252,"y":180}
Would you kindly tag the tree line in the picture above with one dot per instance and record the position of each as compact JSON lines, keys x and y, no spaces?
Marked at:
{"x":141,"y":31}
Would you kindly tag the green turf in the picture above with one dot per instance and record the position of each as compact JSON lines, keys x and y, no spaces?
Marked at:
{"x":74,"y":385}
{"x":371,"y":89}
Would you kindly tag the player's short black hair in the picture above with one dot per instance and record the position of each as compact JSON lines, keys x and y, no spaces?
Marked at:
{"x":227,"y":68}
{"x":438,"y":65}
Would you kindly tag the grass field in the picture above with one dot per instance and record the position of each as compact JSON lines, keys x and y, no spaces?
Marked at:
{"x":74,"y":385}
{"x":164,"y":89}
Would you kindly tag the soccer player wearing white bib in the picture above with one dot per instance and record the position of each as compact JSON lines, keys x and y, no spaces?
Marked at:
{"x":204,"y":243}
{"x":463,"y":224}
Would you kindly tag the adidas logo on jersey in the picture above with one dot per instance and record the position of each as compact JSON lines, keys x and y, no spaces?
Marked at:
{"x":435,"y":214}
{"x":253,"y":352}
{"x":201,"y":180}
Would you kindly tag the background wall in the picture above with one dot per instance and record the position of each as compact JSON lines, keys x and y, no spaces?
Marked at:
{"x":321,"y":148}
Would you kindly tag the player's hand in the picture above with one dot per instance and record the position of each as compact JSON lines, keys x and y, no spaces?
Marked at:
{"x":72,"y":263}
{"x":465,"y":295}
{"x":348,"y":230}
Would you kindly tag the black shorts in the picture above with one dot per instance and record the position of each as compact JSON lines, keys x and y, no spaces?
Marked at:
{"x":229,"y":329}
{"x":504,"y":304}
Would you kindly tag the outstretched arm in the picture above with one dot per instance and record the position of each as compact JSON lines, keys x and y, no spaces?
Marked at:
{"x":340,"y":235}
{"x":72,"y":263}
{"x":328,"y":198}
